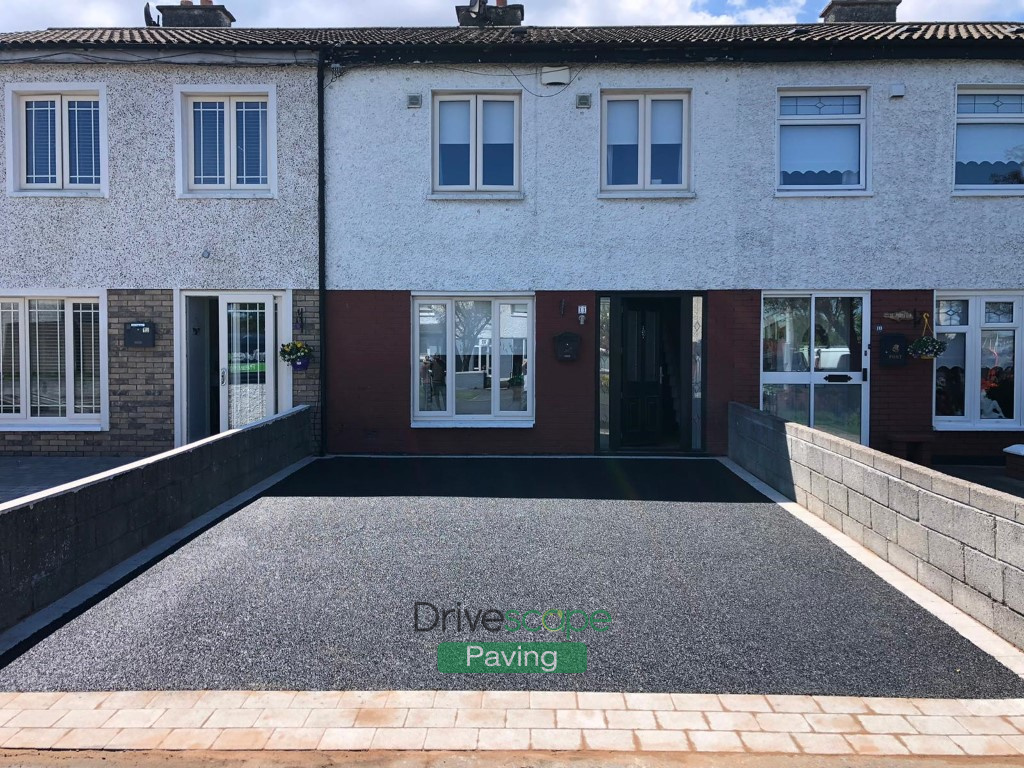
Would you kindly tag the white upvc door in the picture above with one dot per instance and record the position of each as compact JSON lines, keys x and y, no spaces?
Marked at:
{"x":248,"y":359}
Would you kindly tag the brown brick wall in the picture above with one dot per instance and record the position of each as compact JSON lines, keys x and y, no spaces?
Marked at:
{"x":732,"y":343}
{"x":141,"y":389}
{"x":306,"y":384}
{"x":369,"y":373}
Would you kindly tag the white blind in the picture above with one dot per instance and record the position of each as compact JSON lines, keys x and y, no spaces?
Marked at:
{"x":666,"y":122}
{"x":820,"y":148}
{"x":47,"y":367}
{"x":454,"y":122}
{"x":623,"y":122}
{"x":87,"y":357}
{"x":499,"y":122}
{"x":10,"y":357}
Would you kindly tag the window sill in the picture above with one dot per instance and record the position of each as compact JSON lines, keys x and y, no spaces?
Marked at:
{"x":61,"y":427}
{"x":78,"y":193}
{"x":1012,"y":192}
{"x":227,"y":195}
{"x":476,"y":196}
{"x":824,"y":193}
{"x":987,"y":425}
{"x":475,"y":424}
{"x":640,"y":194}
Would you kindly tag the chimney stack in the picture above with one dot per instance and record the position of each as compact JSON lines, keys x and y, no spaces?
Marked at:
{"x":187,"y":14}
{"x":860,"y":10}
{"x":480,"y":14}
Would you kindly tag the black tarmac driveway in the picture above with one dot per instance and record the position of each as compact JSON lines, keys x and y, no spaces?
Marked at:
{"x":711,"y":588}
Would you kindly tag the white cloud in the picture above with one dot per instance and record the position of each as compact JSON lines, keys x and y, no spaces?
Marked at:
{"x":961,"y":10}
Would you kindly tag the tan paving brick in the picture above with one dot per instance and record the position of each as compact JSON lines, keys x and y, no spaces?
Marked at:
{"x":732,"y":721}
{"x":432,"y":718}
{"x":715,"y":741}
{"x":175,"y":700}
{"x":649,"y":701}
{"x":631,"y":720}
{"x":364,"y":699}
{"x":399,"y":738}
{"x":232,"y":718}
{"x":782,"y":722}
{"x":35,"y":738}
{"x":6,"y":697}
{"x":381,"y":718}
{"x":696,"y":702}
{"x":936,"y":724}
{"x":745,"y":703}
{"x":580,"y":718}
{"x":1018,"y":722}
{"x":823,"y":743}
{"x":530,"y":718}
{"x":221,"y":699}
{"x":82,"y":718}
{"x":552,"y":700}
{"x":33,"y":701}
{"x":601,"y":701}
{"x":682,"y":721}
{"x":987,"y":726}
{"x":505,"y":700}
{"x":138,"y":738}
{"x":876,"y":744}
{"x":1017,"y":742}
{"x":238,"y":739}
{"x":610,"y":740}
{"x":931,"y":745}
{"x":776,"y":743}
{"x":7,"y":714}
{"x":883,"y":706}
{"x":190,"y":738}
{"x":824,"y":723}
{"x":885,"y":724}
{"x":85,"y":738}
{"x":295,"y":738}
{"x":410,"y":699}
{"x":183,"y":718}
{"x":80,"y":701}
{"x":842,"y":704}
{"x":36,"y":718}
{"x":6,"y":733}
{"x":316,"y":700}
{"x":507,"y":739}
{"x":129,"y":700}
{"x":480,"y":718}
{"x":347,"y":739}
{"x":663,"y":741}
{"x":134,"y":718}
{"x":937,"y":707}
{"x":555,"y":739}
{"x":286,"y":718}
{"x":994,"y":707}
{"x":797,"y":704}
{"x":458,"y":699}
{"x":451,"y":738}
{"x":268,"y":700}
{"x":984,"y":745}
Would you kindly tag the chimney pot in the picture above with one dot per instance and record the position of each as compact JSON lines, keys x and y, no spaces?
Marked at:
{"x":500,"y":15}
{"x":860,"y":10}
{"x":188,"y":14}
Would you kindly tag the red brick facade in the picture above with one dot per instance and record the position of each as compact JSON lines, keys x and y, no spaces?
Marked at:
{"x":732,"y":340}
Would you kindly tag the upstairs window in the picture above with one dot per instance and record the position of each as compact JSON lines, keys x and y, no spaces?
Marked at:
{"x":989,"y":139}
{"x":822,"y":141}
{"x":476,"y":142}
{"x":58,"y":141}
{"x":645,"y":142}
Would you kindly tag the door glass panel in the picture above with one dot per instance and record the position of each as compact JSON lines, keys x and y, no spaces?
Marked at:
{"x":247,"y":363}
{"x":997,"y":381}
{"x":10,"y":357}
{"x":838,"y":333}
{"x":950,"y":388}
{"x":432,"y":340}
{"x":604,"y":372}
{"x":786,"y":333}
{"x":697,"y":375}
{"x":791,"y":402}
{"x":46,"y":359}
{"x":473,"y":358}
{"x":837,"y":410}
{"x":514,"y":322}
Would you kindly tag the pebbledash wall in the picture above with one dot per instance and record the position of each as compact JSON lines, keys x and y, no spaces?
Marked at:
{"x":733,"y":238}
{"x":141,"y":241}
{"x":963,"y":541}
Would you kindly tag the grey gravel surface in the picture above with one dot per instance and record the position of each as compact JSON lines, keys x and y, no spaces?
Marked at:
{"x":317,"y":593}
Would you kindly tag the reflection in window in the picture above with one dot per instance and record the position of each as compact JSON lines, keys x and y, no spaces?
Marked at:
{"x":997,"y":379}
{"x":787,"y":342}
{"x":952,"y":312}
{"x":473,"y":358}
{"x":999,"y":312}
{"x":791,"y":402}
{"x":513,"y":355}
{"x":838,"y":333}
{"x":989,"y":139}
{"x":950,"y":389}
{"x":432,"y":351}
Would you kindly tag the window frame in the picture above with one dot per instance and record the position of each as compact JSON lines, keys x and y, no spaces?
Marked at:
{"x":862,"y":121}
{"x":995,"y":190}
{"x":16,"y":95}
{"x":71,"y":422}
{"x":645,"y":99}
{"x":971,"y":420}
{"x":476,"y":132}
{"x":184,"y":97}
{"x":449,"y":418}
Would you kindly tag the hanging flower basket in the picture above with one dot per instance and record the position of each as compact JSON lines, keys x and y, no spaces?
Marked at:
{"x":297,"y":354}
{"x":927,"y":347}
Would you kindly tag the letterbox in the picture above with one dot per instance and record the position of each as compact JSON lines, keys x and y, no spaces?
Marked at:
{"x":567,"y":346}
{"x":139,"y":334}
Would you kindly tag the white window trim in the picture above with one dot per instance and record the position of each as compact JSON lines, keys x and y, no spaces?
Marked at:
{"x":15,"y":95}
{"x":497,"y":419}
{"x":71,"y":423}
{"x":183,"y":187}
{"x":476,"y":189}
{"x":645,"y":188}
{"x":973,"y":330}
{"x":863,"y":120}
{"x":982,"y":190}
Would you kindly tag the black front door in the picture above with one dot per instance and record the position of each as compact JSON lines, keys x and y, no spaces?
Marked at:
{"x":645,"y":397}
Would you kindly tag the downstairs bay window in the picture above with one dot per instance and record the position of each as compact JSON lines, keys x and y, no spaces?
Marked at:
{"x":51,"y":372}
{"x":976,"y":381}
{"x":471,"y":361}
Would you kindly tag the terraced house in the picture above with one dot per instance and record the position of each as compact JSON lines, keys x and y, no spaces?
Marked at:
{"x":531,"y":240}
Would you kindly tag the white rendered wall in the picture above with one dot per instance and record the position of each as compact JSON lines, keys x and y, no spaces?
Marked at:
{"x":384,"y":234}
{"x":142,"y":236}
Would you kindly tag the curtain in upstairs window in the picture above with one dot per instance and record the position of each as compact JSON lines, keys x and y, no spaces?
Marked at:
{"x":251,"y":143}
{"x":41,"y":141}
{"x":208,"y":125}
{"x":83,"y":141}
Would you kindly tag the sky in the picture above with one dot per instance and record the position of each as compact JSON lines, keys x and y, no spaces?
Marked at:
{"x":21,"y":15}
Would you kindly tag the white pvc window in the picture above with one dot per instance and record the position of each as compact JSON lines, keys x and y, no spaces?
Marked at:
{"x":645,"y":142}
{"x":476,"y":142}
{"x":989,"y":139}
{"x":228,"y":142}
{"x":50,"y":361}
{"x":60,"y":142}
{"x":822,"y":140}
{"x":472,"y":360}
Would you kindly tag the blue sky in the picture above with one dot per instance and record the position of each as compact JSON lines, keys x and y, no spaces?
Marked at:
{"x":39,"y":14}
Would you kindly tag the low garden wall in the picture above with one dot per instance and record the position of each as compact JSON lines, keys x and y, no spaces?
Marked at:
{"x":53,"y":542}
{"x":963,"y":541}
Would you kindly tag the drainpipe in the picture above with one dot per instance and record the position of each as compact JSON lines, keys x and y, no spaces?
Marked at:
{"x":321,"y":79}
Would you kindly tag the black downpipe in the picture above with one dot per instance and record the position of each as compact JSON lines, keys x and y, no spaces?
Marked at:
{"x":321,"y":79}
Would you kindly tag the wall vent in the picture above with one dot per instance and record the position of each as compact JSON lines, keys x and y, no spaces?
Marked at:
{"x":584,"y":101}
{"x":414,"y":101}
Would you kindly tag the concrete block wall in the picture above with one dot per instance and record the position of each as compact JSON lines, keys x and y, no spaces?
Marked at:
{"x":58,"y":541}
{"x":963,"y":541}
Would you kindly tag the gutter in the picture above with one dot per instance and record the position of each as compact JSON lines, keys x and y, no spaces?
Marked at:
{"x":321,"y":73}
